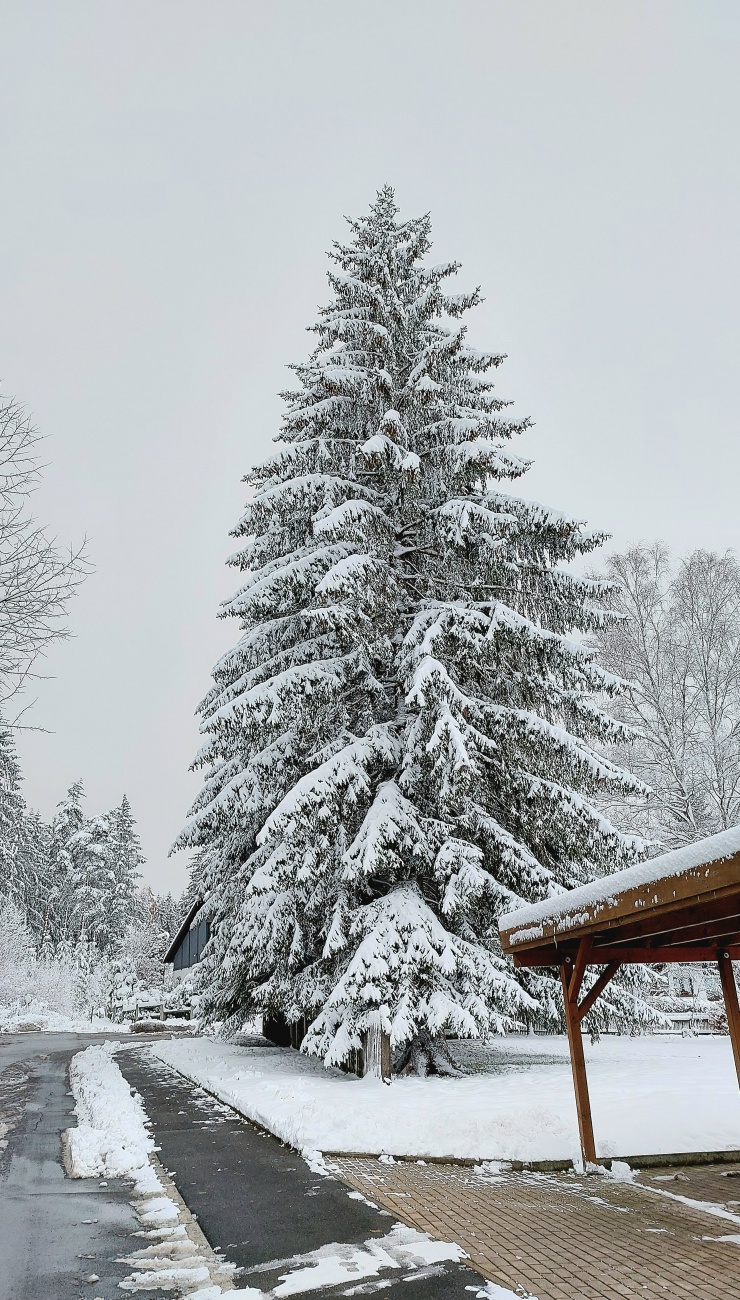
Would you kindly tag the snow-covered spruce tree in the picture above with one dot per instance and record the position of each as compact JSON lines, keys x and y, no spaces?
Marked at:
{"x":403,"y":742}
{"x":12,"y":813}
{"x":94,"y":917}
{"x":126,"y":860}
{"x":32,"y":872}
{"x":24,"y":843}
{"x":64,"y":872}
{"x":106,"y":856}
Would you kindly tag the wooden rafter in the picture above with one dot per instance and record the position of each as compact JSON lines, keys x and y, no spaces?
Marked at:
{"x":628,"y":954}
{"x":642,"y":954}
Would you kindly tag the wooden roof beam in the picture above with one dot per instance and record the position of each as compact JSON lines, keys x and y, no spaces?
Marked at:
{"x":630,"y":954}
{"x":662,"y":920}
{"x":633,"y":953}
{"x":706,"y":885}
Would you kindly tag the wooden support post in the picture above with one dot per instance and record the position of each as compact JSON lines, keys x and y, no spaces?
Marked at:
{"x":598,"y":988}
{"x":729,"y":989}
{"x":578,"y":1065}
{"x":579,"y":968}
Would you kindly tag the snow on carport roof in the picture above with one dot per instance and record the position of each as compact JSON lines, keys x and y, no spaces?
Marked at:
{"x":576,"y":906}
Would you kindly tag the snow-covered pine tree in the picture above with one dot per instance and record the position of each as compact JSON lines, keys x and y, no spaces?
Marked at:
{"x":403,"y":742}
{"x":12,"y":813}
{"x":93,"y":874}
{"x":126,"y":859}
{"x":92,"y":917}
{"x":24,"y":843}
{"x":32,"y":872}
{"x":67,"y":822}
{"x":169,"y":912}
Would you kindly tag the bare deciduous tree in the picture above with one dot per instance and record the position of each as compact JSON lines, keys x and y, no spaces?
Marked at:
{"x":679,"y":647}
{"x":37,"y":577}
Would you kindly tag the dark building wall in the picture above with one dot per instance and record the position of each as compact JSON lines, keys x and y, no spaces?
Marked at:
{"x":190,"y":949}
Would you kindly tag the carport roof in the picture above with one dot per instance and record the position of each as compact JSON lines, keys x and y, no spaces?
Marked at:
{"x":681,"y":906}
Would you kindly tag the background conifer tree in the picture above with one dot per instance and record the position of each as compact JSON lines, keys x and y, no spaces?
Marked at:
{"x":126,"y":860}
{"x":404,"y":740}
{"x":12,"y":814}
{"x":64,"y":871}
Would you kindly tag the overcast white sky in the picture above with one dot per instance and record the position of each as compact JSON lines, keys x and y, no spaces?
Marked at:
{"x":172,"y":173}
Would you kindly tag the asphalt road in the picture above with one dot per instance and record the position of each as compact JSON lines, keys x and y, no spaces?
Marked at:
{"x":55,"y":1232}
{"x":260,"y":1203}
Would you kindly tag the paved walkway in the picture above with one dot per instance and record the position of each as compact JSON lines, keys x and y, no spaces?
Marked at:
{"x":562,"y":1237}
{"x":286,"y":1228}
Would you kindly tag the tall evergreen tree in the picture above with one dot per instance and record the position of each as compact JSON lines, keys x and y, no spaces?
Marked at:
{"x":403,"y":741}
{"x":33,"y":881}
{"x":93,"y":915}
{"x":24,"y":844}
{"x":12,"y":813}
{"x":126,"y":860}
{"x":58,"y":911}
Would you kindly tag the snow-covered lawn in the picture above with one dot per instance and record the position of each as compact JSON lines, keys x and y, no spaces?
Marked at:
{"x":38,"y":1016}
{"x":652,"y":1094}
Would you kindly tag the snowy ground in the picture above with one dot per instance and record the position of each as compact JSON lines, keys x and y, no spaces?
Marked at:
{"x":111,"y":1137}
{"x":37,"y":1017}
{"x":651,"y":1094}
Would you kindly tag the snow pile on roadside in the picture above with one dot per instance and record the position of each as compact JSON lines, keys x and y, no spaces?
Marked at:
{"x":37,"y":1016}
{"x":649,"y":1094}
{"x":112,"y":1137}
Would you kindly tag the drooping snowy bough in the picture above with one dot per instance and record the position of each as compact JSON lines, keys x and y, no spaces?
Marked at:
{"x":403,"y":742}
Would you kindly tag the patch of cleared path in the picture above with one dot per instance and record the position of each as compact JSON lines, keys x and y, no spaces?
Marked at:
{"x":55,"y":1232}
{"x":287,"y":1228}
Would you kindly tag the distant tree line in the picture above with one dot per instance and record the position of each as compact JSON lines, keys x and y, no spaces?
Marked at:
{"x":76,"y":881}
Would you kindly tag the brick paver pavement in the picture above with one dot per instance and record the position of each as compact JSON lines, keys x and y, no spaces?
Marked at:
{"x":565,"y":1237}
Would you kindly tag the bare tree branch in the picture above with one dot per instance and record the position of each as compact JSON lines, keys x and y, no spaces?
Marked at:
{"x":678,"y":643}
{"x":37,"y":576}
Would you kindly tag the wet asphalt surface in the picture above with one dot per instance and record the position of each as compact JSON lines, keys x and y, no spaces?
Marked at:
{"x":55,"y":1231}
{"x":257,"y":1201}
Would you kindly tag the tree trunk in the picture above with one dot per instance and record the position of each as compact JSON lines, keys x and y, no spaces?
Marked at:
{"x":425,"y":1055}
{"x":377,"y":1053}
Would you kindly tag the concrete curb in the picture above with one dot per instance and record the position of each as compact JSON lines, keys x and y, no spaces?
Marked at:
{"x":668,"y":1161}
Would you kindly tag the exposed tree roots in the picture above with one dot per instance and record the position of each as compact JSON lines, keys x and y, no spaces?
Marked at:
{"x":427,"y":1055}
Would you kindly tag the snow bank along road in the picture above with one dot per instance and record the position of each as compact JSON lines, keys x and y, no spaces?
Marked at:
{"x":55,"y":1232}
{"x":287,"y":1227}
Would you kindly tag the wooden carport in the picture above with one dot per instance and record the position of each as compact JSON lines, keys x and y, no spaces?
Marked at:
{"x":681,"y":907}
